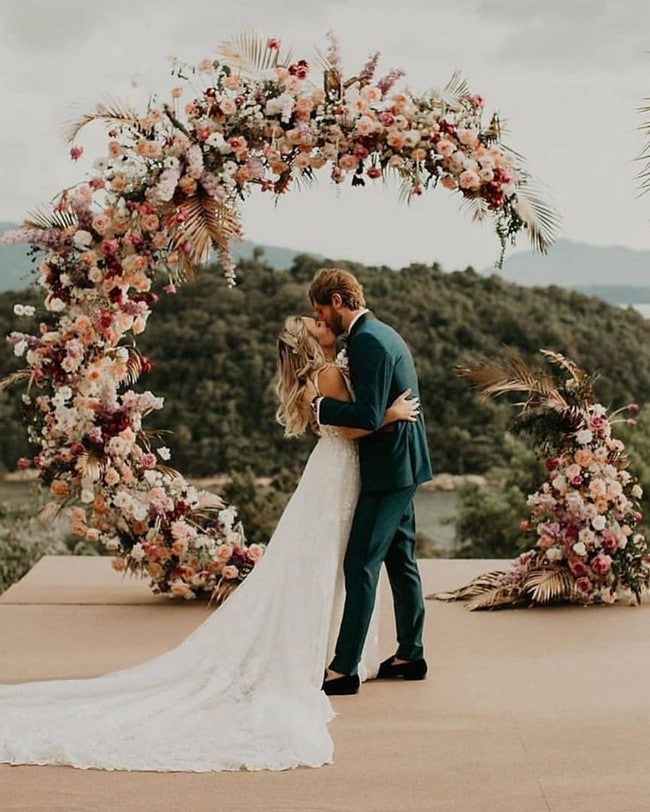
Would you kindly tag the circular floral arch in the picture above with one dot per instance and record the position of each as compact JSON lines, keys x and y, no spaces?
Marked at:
{"x":163,"y":198}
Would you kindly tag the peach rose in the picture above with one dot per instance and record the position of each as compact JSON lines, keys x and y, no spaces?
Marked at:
{"x":101,"y":223}
{"x":179,"y":547}
{"x":370,"y":93}
{"x":232,"y":82}
{"x":118,"y":564}
{"x":155,"y":570}
{"x":150,"y":222}
{"x":224,"y":551}
{"x":348,"y":162}
{"x":59,"y":487}
{"x":395,"y":139}
{"x":583,"y":457}
{"x":229,"y":572}
{"x":445,"y":147}
{"x":228,"y":107}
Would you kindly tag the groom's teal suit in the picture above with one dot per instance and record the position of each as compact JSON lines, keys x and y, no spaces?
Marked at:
{"x":394,"y":460}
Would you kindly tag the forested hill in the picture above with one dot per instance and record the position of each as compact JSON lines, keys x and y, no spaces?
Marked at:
{"x":213,"y":351}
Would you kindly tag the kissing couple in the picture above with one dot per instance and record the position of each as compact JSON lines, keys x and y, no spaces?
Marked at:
{"x":246,"y":689}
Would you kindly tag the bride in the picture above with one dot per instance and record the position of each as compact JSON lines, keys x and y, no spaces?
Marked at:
{"x":243,"y":690}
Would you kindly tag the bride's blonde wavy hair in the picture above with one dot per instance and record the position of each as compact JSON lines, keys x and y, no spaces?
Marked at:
{"x":299,"y":355}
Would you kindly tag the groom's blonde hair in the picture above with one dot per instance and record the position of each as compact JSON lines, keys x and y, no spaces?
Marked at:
{"x":329,"y":281}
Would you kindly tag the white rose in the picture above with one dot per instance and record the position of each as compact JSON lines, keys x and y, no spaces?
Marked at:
{"x":164,"y":453}
{"x":54,"y":304}
{"x":584,"y":436}
{"x":579,"y":548}
{"x":637,"y":491}
{"x":24,"y":310}
{"x":599,"y":522}
{"x":152,"y":477}
{"x":20,"y":347}
{"x":559,"y":483}
{"x":82,"y":239}
{"x":554,"y":554}
{"x":137,"y":552}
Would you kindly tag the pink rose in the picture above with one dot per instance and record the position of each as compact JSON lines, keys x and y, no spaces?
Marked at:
{"x":255,"y":552}
{"x":148,"y":460}
{"x":469,"y":180}
{"x":601,"y":564}
{"x":584,"y":584}
{"x":22,"y":463}
{"x":578,"y":569}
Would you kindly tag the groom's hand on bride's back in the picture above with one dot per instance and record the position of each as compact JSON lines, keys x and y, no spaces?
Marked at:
{"x":310,"y":392}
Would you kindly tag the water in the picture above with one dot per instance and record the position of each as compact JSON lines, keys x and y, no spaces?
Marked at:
{"x":431,"y":508}
{"x":643,"y":309}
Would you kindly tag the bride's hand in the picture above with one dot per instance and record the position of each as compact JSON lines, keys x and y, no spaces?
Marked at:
{"x":404,"y":409}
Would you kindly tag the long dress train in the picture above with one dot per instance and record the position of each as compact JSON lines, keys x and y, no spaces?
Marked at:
{"x":241,"y":691}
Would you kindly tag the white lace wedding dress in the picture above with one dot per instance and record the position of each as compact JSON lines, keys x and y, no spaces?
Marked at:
{"x":243,"y":690}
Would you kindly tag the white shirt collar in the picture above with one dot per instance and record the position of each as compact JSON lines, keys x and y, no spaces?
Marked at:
{"x":362,"y":312}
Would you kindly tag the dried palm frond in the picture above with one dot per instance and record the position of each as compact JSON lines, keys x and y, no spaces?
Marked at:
{"x":644,"y":174}
{"x":497,"y":598}
{"x":112,"y":111}
{"x":541,"y":218}
{"x":455,"y":90}
{"x":221,"y":591}
{"x":494,"y":130}
{"x":494,"y":377}
{"x":89,"y":465}
{"x":548,"y":585}
{"x":14,"y":377}
{"x":57,"y":220}
{"x":475,"y":206}
{"x":209,"y":225}
{"x":250,"y":54}
{"x":477,"y":586}
{"x":564,"y":363}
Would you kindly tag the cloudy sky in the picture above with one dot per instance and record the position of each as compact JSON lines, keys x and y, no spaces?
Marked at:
{"x":567,"y":75}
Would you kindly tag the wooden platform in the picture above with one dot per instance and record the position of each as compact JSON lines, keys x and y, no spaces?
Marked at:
{"x":523,"y":711}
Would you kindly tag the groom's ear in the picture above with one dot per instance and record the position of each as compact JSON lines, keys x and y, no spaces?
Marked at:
{"x":336,"y":300}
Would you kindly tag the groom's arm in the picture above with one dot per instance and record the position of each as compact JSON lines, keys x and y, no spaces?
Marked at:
{"x":371,"y":369}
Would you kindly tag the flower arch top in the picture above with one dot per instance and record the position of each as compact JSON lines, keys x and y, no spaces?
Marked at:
{"x":162,"y":199}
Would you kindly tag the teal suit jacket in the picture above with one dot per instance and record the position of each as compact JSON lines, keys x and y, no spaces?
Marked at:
{"x":381,"y":368}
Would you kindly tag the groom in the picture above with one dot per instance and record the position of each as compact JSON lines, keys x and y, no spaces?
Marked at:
{"x":394,"y":460}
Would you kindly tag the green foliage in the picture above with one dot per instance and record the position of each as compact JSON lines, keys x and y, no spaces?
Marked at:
{"x":259,"y":506}
{"x":213,"y":351}
{"x":487,"y":524}
{"x":24,"y":540}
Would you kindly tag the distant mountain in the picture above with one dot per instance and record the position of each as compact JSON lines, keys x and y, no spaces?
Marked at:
{"x":619,"y":275}
{"x":16,"y":267}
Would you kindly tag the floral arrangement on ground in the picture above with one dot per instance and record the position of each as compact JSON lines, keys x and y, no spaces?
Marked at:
{"x":158,"y":203}
{"x":582,"y":520}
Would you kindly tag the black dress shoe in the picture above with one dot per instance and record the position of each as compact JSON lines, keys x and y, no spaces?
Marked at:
{"x":411,"y":670}
{"x":342,"y":685}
